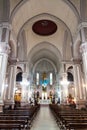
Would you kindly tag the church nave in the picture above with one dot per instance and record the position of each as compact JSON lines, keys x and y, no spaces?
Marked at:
{"x":43,"y":64}
{"x":44,"y":120}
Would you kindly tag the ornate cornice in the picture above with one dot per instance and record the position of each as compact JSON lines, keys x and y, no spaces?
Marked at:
{"x":77,"y":61}
{"x":82,"y":25}
{"x":12,"y":60}
{"x":6,"y":25}
{"x":74,"y":61}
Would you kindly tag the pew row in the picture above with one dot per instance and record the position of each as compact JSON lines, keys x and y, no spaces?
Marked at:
{"x":18,"y":119}
{"x":69,"y":118}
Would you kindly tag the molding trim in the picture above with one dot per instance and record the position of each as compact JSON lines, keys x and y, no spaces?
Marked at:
{"x":46,"y":60}
{"x":82,"y":25}
{"x":6,"y":25}
{"x":16,"y":8}
{"x":73,"y":7}
{"x":69,"y":3}
{"x":41,"y":15}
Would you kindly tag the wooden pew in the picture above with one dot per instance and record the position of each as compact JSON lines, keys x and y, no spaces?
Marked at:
{"x":11,"y":126}
{"x":70,"y":118}
{"x":77,"y":126}
{"x":17,"y":119}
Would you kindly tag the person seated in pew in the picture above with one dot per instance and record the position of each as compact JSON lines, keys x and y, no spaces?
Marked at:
{"x":30,"y":102}
{"x":58,"y":102}
{"x":17,"y":99}
{"x":73,"y":104}
{"x":35,"y":102}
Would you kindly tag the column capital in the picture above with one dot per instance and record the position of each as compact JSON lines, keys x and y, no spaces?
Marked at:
{"x":83,"y":47}
{"x":77,"y":61}
{"x":4,"y":47}
{"x":5,"y":25}
{"x":25,"y":75}
{"x":12,"y":60}
{"x":64,"y":74}
{"x":82,"y":25}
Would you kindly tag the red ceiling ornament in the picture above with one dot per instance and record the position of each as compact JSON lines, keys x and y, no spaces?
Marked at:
{"x":44,"y":27}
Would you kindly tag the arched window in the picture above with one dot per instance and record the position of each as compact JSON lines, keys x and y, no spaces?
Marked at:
{"x":70,"y":76}
{"x":37,"y":78}
{"x":51,"y":78}
{"x":19,"y":77}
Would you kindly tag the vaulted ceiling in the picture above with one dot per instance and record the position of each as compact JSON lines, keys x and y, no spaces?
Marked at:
{"x":27,"y":17}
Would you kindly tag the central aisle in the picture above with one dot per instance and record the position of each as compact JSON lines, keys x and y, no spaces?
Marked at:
{"x":44,"y":120}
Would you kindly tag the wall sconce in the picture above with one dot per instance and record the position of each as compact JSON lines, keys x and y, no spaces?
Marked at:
{"x":64,"y":82}
{"x":24,"y":82}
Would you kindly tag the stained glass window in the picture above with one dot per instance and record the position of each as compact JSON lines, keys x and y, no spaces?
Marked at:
{"x":51,"y":78}
{"x":37,"y":78}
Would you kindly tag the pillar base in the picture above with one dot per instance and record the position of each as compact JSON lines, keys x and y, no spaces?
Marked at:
{"x":81,"y":104}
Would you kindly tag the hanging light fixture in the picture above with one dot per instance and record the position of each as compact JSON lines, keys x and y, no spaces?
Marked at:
{"x":64,"y":82}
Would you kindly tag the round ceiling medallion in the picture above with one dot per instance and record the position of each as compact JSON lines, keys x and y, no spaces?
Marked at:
{"x":44,"y":27}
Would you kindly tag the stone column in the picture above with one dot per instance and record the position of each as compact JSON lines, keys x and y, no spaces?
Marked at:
{"x":83,"y":50}
{"x":4,"y":51}
{"x":24,"y":95}
{"x":64,"y":84}
{"x":9,"y":97}
{"x":79,"y":92}
{"x":29,"y":87}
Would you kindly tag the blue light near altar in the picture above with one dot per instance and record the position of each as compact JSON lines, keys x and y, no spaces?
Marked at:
{"x":44,"y":82}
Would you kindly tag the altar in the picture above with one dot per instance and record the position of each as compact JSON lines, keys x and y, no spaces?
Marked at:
{"x":45,"y":101}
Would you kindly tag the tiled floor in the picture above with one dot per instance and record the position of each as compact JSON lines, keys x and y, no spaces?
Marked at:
{"x":44,"y":120}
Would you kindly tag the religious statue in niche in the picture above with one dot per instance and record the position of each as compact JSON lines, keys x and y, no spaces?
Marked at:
{"x":51,"y":95}
{"x":44,"y":80}
{"x":44,"y":89}
{"x":44,"y":76}
{"x":38,"y":95}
